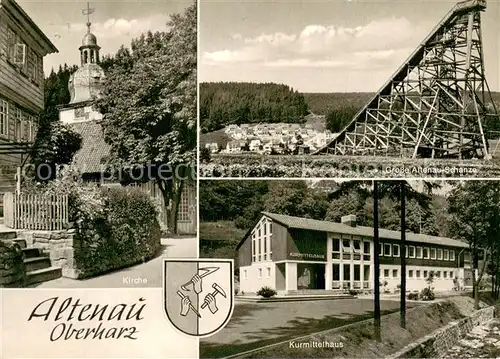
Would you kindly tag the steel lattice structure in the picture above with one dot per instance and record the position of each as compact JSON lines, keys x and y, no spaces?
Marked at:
{"x":435,"y":105}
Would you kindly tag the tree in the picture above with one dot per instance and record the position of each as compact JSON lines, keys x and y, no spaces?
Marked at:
{"x":295,"y":198}
{"x":338,"y":118}
{"x":392,"y":190}
{"x":55,"y":143}
{"x":149,"y":107}
{"x":227,"y":103}
{"x":205,"y":155}
{"x":475,"y":210}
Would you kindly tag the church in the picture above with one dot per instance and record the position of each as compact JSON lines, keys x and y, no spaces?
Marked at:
{"x":84,"y":87}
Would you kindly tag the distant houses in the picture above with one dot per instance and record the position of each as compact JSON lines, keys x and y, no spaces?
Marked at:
{"x":272,"y":138}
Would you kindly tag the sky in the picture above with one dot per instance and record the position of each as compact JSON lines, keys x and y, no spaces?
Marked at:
{"x":324,"y":45}
{"x":113,"y":22}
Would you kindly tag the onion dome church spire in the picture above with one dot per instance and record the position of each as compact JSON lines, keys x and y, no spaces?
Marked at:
{"x":89,"y":50}
{"x":84,"y":84}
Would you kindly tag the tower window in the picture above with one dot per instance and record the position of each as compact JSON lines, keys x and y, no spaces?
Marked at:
{"x":85,"y":57}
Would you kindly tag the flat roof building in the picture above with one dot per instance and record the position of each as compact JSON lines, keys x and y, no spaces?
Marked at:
{"x":291,"y":254}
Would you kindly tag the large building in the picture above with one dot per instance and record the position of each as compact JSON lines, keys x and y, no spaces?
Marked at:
{"x":290,"y":254}
{"x":22,"y":49}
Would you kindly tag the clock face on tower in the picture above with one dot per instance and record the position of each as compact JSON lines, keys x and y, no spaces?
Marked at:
{"x":79,"y":112}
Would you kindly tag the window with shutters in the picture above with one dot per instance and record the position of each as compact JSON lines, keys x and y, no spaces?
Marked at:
{"x":4,"y":118}
{"x":20,"y":53}
{"x":11,"y":43}
{"x":23,"y":57}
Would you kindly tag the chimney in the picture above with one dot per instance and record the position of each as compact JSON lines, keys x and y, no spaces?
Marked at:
{"x":349,"y":220}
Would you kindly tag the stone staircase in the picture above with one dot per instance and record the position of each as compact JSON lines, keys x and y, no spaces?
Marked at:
{"x":38,"y":266}
{"x":314,"y":292}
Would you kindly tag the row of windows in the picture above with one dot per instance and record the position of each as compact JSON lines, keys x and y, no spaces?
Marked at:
{"x":20,"y":55}
{"x":264,"y":228}
{"x":418,"y":274}
{"x":260,"y":273}
{"x":24,"y":124}
{"x":261,"y":242}
{"x":354,"y":246}
{"x":392,"y":250}
{"x":346,"y":272}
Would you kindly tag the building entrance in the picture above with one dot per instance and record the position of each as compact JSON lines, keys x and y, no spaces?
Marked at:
{"x":310,"y":276}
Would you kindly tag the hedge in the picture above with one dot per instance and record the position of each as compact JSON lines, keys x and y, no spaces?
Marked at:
{"x":122,"y":231}
{"x":331,"y":166}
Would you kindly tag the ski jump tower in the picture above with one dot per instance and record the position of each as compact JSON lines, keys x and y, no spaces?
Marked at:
{"x":435,"y":104}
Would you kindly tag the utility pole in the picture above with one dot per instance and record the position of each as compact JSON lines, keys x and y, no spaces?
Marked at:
{"x":402,"y":254}
{"x":376,"y":264}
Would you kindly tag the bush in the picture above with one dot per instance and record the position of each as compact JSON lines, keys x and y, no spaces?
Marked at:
{"x":266,"y":292}
{"x":354,"y":291}
{"x":115,"y":227}
{"x":412,"y":296}
{"x":124,"y":232}
{"x":427,"y":294}
{"x":12,"y":267}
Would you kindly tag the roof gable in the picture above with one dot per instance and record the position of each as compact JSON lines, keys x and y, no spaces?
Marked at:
{"x":28,"y":25}
{"x":333,"y":227}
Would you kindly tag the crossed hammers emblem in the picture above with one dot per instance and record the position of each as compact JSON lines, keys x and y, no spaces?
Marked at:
{"x":197,"y":284}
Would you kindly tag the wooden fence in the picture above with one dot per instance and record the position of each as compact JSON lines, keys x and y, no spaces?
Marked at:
{"x":35,"y":211}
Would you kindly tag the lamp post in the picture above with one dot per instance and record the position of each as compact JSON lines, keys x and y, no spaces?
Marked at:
{"x":402,"y":254}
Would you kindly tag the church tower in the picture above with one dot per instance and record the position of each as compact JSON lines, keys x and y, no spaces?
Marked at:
{"x":89,"y":51}
{"x":85,"y":84}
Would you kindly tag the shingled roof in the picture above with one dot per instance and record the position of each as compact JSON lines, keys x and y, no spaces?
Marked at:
{"x":334,"y":227}
{"x":91,"y":156}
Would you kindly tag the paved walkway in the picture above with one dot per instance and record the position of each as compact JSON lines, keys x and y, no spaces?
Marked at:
{"x":482,"y":342}
{"x":147,"y":274}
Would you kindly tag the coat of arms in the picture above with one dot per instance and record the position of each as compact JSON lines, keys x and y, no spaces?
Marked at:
{"x":199,"y":294}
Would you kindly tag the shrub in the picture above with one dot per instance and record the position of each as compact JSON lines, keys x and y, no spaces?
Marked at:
{"x":354,"y":292}
{"x":412,"y":296}
{"x":427,"y":294}
{"x":125,"y":231}
{"x":115,"y":227}
{"x":266,"y":292}
{"x":12,"y":267}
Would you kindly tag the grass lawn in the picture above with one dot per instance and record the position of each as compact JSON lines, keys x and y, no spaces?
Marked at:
{"x":254,"y":325}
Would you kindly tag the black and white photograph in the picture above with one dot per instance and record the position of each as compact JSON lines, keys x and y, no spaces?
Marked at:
{"x":249,"y":179}
{"x":349,"y":88}
{"x":97,"y":141}
{"x":322,"y":271}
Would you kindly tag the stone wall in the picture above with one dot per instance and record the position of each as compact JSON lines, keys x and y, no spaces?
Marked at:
{"x":12,"y":268}
{"x":58,"y":245}
{"x":437,"y":343}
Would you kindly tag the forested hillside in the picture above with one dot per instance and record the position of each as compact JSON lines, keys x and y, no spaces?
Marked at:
{"x":225,"y":103}
{"x":340,"y":108}
{"x":229,"y":208}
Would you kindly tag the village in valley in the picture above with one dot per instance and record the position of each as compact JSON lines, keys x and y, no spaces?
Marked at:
{"x":272,"y":138}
